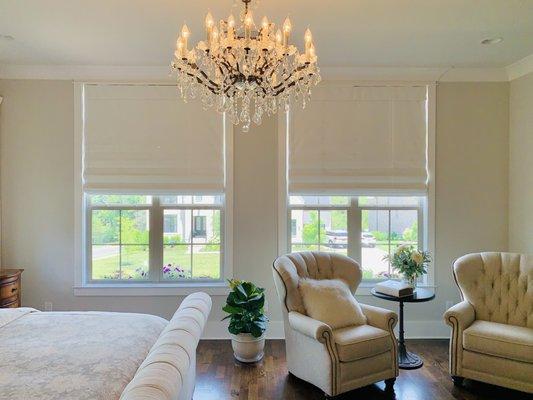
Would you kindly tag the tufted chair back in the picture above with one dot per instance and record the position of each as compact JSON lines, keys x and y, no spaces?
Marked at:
{"x":498,"y":285}
{"x":290,"y":268}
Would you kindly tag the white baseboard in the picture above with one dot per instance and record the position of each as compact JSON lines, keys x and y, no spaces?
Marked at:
{"x":433,"y":329}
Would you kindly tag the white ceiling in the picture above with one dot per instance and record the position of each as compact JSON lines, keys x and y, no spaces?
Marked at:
{"x":348,"y":33}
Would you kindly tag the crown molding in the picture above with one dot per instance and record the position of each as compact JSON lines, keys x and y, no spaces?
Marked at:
{"x":520,"y":68}
{"x":438,"y":74}
{"x":158,"y":74}
{"x":86,"y":73}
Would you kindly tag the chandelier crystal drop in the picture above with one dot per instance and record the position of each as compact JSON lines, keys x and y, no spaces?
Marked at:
{"x":246,"y":70}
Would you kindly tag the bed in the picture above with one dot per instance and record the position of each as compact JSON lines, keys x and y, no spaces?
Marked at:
{"x":100,"y":355}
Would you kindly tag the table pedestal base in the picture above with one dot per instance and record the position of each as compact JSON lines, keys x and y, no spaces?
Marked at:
{"x":408,"y":360}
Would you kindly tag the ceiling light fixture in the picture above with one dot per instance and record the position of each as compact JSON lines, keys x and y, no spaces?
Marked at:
{"x":493,"y":40}
{"x":239,"y":65}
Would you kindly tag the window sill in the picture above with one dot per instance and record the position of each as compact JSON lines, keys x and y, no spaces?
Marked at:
{"x":94,"y":289}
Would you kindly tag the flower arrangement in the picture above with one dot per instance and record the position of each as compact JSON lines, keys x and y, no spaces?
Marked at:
{"x":409,"y":262}
{"x":245,"y":305}
{"x":173,"y":272}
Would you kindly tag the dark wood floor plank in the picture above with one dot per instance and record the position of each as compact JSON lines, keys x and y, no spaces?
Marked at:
{"x":221,"y":377}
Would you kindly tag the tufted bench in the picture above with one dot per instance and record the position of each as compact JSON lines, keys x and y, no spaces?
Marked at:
{"x":169,"y":370}
{"x":492,"y":328}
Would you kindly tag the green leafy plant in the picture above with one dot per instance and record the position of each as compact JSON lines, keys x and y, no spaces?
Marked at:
{"x":409,"y":262}
{"x":245,"y":308}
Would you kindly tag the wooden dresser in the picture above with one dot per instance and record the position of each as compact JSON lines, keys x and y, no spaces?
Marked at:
{"x":10,"y":287}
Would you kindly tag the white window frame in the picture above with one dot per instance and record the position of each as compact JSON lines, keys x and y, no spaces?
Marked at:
{"x":156,"y":239}
{"x":354,"y":213}
{"x":284,"y":125}
{"x":83,"y":287}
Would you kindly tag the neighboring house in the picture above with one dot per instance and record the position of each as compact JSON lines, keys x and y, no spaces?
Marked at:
{"x":198,"y":224}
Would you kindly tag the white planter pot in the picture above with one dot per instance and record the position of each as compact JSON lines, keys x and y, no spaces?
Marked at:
{"x":246,"y":348}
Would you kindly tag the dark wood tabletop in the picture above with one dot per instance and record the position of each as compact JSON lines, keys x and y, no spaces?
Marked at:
{"x":420,"y":295}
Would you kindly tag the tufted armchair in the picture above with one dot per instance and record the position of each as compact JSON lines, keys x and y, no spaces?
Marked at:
{"x":492,"y":328}
{"x":339,"y":360}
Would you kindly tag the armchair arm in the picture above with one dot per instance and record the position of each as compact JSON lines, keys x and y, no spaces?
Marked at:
{"x":310,"y":327}
{"x":380,"y":317}
{"x":460,"y":315}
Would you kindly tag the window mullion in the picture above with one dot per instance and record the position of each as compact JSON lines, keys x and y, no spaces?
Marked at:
{"x":191,"y":246}
{"x":354,"y":230}
{"x":88,"y":240}
{"x":156,"y":240}
{"x":390,"y":239}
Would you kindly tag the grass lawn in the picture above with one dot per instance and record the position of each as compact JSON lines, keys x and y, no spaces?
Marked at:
{"x":135,"y":260}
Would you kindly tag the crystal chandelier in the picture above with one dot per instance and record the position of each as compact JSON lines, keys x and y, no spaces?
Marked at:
{"x":245,"y":71}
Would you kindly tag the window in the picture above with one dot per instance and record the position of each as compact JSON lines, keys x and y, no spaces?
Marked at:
{"x":364,"y":228}
{"x":294,"y":228}
{"x":199,"y":226}
{"x":170,"y":223}
{"x":165,"y":239}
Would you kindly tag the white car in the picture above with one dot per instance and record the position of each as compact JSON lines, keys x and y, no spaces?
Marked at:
{"x":337,"y":239}
{"x":368,"y":239}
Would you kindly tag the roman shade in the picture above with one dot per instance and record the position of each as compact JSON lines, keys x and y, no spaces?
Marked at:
{"x":359,"y":139}
{"x":140,"y":138}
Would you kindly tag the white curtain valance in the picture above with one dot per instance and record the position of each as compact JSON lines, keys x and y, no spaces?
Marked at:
{"x":143,"y":138}
{"x":356,"y":139}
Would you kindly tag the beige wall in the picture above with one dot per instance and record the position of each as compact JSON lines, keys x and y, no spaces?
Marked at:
{"x":521,"y":165}
{"x":37,"y":161}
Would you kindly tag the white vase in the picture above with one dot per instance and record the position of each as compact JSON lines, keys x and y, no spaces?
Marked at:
{"x":247,"y":348}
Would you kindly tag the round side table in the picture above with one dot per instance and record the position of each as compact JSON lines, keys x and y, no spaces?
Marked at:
{"x":406,"y":359}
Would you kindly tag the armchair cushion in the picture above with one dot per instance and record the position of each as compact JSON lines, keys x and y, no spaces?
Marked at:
{"x":322,"y":296}
{"x":356,"y":342}
{"x":501,"y":340}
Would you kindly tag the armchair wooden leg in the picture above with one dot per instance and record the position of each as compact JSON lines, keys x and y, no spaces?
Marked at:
{"x":389,"y":384}
{"x":458,"y":380}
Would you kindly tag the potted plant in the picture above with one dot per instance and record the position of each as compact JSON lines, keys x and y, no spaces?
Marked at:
{"x":409,"y":262}
{"x":248,"y":322}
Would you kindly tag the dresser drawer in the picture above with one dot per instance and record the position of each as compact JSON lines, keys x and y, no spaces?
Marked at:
{"x":14,"y":304}
{"x":10,"y":290}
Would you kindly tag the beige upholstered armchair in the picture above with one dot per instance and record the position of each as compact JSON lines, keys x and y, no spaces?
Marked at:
{"x":339,"y":360}
{"x":492,"y":328}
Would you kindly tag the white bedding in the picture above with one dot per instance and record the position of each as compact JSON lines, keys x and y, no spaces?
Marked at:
{"x":72,"y":355}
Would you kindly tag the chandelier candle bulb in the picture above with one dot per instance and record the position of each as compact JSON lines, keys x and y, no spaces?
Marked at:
{"x":264,"y":28}
{"x":308,"y":38}
{"x":179,"y":48}
{"x":185,"y":33}
{"x":286,"y":31}
{"x":312,"y":53}
{"x":209,"y":22}
{"x":244,"y":71}
{"x":248,"y":24}
{"x":214,"y":37}
{"x":279,"y":37}
{"x":231,"y":28}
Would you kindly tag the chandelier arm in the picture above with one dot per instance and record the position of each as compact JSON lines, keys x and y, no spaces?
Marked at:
{"x":291,"y":84}
{"x":205,"y":81}
{"x":204,"y":75}
{"x":201,"y":82}
{"x":286,"y":84}
{"x":292,"y":76}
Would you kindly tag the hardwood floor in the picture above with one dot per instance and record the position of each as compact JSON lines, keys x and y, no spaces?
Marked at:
{"x":220,"y":377}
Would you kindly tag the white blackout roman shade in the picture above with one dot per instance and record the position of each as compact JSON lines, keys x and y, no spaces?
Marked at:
{"x":141,"y":138}
{"x":359,"y":139}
